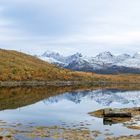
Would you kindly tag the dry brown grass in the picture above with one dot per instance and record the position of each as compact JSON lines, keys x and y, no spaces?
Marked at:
{"x":18,"y":66}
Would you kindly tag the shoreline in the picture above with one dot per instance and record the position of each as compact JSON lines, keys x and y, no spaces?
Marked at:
{"x":60,"y":83}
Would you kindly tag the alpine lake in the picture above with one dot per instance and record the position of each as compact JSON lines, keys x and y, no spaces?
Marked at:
{"x":63,"y":113}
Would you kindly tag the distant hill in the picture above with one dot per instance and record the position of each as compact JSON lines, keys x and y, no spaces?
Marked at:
{"x":19,"y":66}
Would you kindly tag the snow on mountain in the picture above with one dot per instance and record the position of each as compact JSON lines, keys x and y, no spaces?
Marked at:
{"x":54,"y":56}
{"x":133,"y":62}
{"x":104,"y":62}
{"x":137,"y":55}
{"x":123,"y":57}
{"x":50,"y":59}
{"x":74,"y":57}
{"x":105,"y":57}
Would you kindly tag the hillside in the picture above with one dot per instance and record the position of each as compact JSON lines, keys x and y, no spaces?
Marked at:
{"x":17,"y":66}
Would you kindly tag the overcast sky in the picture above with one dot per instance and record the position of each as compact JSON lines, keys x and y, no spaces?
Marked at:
{"x":68,"y":26}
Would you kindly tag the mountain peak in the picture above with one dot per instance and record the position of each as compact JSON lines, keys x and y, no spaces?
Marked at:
{"x":123,"y":57}
{"x":75,"y":57}
{"x":53,"y":56}
{"x":77,"y":54}
{"x":136,"y":55}
{"x":50,"y":53}
{"x":103,"y":62}
{"x":105,"y":54}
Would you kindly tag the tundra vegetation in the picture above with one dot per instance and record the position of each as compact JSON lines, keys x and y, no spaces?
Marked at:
{"x":17,"y":66}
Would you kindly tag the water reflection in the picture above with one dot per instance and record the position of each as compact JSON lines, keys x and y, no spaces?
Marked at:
{"x":111,"y":121}
{"x":67,"y":105}
{"x":18,"y":97}
{"x":102,"y":97}
{"x":12,"y":98}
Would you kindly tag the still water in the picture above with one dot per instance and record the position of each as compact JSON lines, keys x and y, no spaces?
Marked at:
{"x":65,"y":108}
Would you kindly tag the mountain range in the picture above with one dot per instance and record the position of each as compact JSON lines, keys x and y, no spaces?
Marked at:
{"x":27,"y":69}
{"x":103,"y":63}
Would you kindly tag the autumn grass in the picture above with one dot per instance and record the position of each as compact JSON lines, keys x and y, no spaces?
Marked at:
{"x":17,"y":66}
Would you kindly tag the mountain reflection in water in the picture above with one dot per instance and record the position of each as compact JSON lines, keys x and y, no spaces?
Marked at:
{"x":103,"y":97}
{"x":56,"y":106}
{"x":12,"y":98}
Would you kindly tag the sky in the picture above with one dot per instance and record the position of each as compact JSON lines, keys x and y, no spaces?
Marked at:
{"x":69,"y":26}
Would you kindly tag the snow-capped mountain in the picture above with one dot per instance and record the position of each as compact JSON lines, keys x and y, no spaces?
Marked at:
{"x":52,"y":57}
{"x":123,"y":57}
{"x":137,"y":55}
{"x":104,"y":62}
{"x":133,"y":62}
{"x":74,"y":57}
{"x":105,"y":57}
{"x":56,"y":58}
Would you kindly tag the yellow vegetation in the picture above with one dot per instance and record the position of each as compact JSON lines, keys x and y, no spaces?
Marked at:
{"x":17,"y":66}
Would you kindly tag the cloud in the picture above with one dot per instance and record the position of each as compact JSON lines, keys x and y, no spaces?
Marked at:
{"x":68,"y":26}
